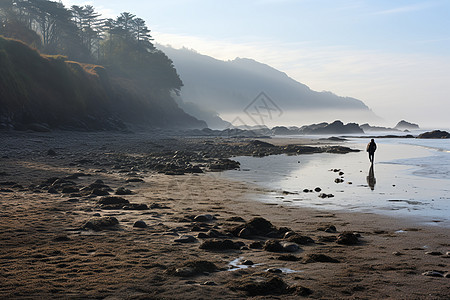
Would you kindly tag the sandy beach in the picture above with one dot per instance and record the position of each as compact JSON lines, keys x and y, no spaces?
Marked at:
{"x":94,"y":219}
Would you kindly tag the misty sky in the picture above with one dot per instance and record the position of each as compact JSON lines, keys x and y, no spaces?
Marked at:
{"x":392,"y":54}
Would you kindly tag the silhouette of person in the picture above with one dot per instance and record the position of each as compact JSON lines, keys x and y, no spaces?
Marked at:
{"x":371,"y":148}
{"x":371,"y":180}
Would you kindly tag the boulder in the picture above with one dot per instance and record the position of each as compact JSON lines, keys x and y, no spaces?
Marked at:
{"x":300,"y":239}
{"x":220,"y":245}
{"x":193,"y":268}
{"x":108,"y":200}
{"x":273,"y":246}
{"x":347,"y":238}
{"x":98,"y":224}
{"x":140,"y":224}
{"x":313,"y":257}
{"x":290,"y":247}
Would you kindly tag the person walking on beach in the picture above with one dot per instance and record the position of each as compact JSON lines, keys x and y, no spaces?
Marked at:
{"x":371,"y":148}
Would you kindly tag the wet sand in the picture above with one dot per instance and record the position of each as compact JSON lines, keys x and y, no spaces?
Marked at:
{"x":46,"y":253}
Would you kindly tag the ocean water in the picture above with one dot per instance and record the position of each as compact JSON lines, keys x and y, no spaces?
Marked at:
{"x":410,"y":179}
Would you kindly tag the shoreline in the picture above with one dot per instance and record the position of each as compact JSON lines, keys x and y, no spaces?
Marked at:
{"x":46,"y":252}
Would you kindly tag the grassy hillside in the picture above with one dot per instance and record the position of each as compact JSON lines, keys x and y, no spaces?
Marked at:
{"x":57,"y":93}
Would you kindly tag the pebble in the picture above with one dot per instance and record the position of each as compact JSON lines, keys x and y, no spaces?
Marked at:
{"x":274,"y":270}
{"x":290,"y":247}
{"x":331,"y":229}
{"x":434,"y":253}
{"x":210,"y":283}
{"x":433,"y":274}
{"x":140,"y":224}
{"x":204,"y":218}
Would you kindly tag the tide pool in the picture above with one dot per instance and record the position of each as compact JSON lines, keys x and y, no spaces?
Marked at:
{"x":410,"y":178}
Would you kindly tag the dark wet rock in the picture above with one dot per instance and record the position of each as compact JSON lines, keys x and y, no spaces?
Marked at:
{"x":273,"y":246}
{"x":433,"y":274}
{"x":193,"y":268}
{"x":313,"y":257}
{"x":339,"y":180}
{"x":159,"y":206}
{"x":70,"y":190}
{"x":203,"y":235}
{"x":134,"y":180}
{"x":256,"y":226}
{"x":274,"y":270}
{"x":261,"y":285}
{"x":99,"y":192}
{"x":290,"y":247}
{"x":235,"y":219}
{"x":288,"y":234}
{"x":185,"y":239}
{"x":300,"y":239}
{"x":135,"y":206}
{"x":51,"y":152}
{"x":220,"y":245}
{"x":52,"y":190}
{"x":436,"y":134}
{"x":397,"y":253}
{"x":288,"y":257}
{"x":213,"y":233}
{"x":434,"y":253}
{"x":210,"y":283}
{"x":447,"y":275}
{"x":256,"y":245}
{"x":306,"y":191}
{"x":301,"y":291}
{"x":122,"y":191}
{"x":324,"y":195}
{"x":98,"y":224}
{"x":318,"y":189}
{"x":331,"y":229}
{"x":248,"y":262}
{"x":108,"y":200}
{"x":258,"y":143}
{"x":193,"y":169}
{"x":140,"y":224}
{"x":224,"y":164}
{"x":204,"y":218}
{"x":347,"y":238}
{"x":244,"y":233}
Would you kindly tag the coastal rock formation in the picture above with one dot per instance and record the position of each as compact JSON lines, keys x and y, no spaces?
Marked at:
{"x":403,"y":125}
{"x":436,"y":134}
{"x":337,"y":127}
{"x":368,"y":128}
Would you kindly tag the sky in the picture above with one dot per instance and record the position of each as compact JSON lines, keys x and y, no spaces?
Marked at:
{"x":392,"y":54}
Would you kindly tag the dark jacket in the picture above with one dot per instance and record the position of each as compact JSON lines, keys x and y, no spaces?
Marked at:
{"x":371,"y":147}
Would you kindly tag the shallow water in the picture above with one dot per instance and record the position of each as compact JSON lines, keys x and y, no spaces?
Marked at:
{"x":410,"y":178}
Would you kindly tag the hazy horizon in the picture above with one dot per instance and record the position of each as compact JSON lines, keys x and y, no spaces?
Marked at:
{"x":391,"y":55}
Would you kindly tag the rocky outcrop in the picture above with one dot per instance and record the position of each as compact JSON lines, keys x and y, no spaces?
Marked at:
{"x":436,"y":134}
{"x":403,"y":125}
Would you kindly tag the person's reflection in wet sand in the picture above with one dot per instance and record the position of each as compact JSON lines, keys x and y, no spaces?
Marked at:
{"x":371,"y":180}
